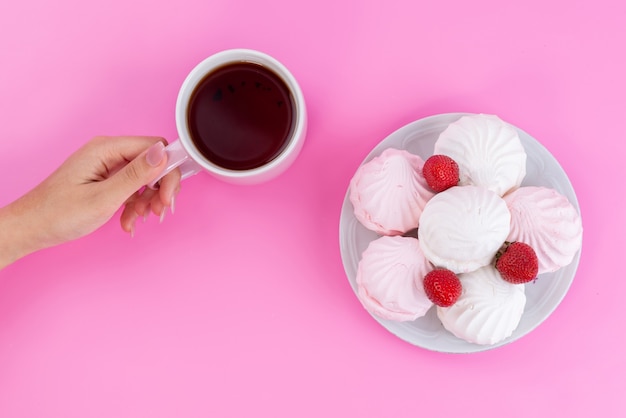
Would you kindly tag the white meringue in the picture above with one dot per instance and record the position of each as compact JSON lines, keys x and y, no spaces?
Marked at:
{"x":488,"y":310}
{"x":390,"y":279}
{"x":389,"y":192}
{"x":546,"y":220}
{"x":488,"y":151}
{"x":463,"y":227}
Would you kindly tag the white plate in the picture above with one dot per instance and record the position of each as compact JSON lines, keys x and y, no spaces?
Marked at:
{"x":543,"y":296}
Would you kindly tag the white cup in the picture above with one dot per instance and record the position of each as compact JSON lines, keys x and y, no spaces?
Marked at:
{"x":185,"y":155}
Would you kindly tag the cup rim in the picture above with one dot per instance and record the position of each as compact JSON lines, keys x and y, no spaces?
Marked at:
{"x":225,"y":57}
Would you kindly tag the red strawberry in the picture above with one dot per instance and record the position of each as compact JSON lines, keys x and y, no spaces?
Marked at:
{"x":442,"y":287}
{"x":517,"y":262}
{"x":441,"y":172}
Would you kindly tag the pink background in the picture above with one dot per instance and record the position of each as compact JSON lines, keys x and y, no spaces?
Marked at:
{"x":238,"y":304}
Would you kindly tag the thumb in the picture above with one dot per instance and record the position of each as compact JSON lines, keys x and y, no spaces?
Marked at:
{"x":139,"y":172}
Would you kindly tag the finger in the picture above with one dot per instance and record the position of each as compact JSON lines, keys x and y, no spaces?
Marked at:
{"x":142,"y":203}
{"x":140,"y":171}
{"x":170,"y":186}
{"x":148,"y":201}
{"x":125,"y":148}
{"x":156,"y":206}
{"x":128,"y":218}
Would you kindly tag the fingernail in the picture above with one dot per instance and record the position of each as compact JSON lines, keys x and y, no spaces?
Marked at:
{"x":162,"y":214}
{"x":155,"y":154}
{"x":172,"y":204}
{"x":132,"y":230}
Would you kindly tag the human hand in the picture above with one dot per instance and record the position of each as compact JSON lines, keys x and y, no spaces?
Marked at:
{"x":86,"y":191}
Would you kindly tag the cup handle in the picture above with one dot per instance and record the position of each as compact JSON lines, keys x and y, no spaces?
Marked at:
{"x":177,"y":157}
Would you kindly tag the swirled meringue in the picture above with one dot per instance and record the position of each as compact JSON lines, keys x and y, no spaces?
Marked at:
{"x":389,"y":192}
{"x":488,"y":310}
{"x":463,"y":227}
{"x":546,"y":220}
{"x":488,"y":151}
{"x":390,"y":279}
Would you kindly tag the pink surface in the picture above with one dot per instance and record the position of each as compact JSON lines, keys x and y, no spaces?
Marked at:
{"x":238,"y":305}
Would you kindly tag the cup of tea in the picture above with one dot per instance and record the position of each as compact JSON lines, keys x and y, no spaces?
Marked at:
{"x":241,"y":116}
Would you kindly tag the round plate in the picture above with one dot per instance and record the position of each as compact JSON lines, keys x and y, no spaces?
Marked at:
{"x":542,"y":296}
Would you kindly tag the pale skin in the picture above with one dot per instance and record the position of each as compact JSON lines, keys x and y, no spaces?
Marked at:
{"x":85,"y":192}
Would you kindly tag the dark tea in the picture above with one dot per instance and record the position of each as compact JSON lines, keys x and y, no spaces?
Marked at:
{"x":240,"y":116}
